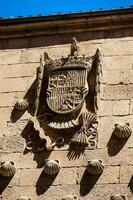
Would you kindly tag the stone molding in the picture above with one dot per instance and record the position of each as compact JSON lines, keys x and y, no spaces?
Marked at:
{"x":66,"y":23}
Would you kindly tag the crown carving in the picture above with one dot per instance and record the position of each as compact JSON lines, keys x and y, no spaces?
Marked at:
{"x":74,"y":60}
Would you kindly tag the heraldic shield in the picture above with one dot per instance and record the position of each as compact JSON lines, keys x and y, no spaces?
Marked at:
{"x":67,"y":94}
{"x":67,"y":89}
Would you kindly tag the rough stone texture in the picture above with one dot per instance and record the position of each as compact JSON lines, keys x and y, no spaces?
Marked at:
{"x":18,"y":70}
{"x":17,"y":76}
{"x":121,"y":107}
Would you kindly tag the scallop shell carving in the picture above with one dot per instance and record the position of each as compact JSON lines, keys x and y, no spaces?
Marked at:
{"x":7,"y":169}
{"x":21,"y":104}
{"x":52,"y":167}
{"x":70,"y":197}
{"x":118,"y":197}
{"x":95,"y":167}
{"x":122,"y":131}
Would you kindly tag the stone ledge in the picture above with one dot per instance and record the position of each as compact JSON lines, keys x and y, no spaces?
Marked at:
{"x":68,"y":23}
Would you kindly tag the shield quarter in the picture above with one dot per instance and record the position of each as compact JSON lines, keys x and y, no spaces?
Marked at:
{"x":67,"y":89}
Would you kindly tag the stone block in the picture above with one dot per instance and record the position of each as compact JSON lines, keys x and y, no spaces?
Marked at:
{"x":128,"y":47}
{"x":41,"y":193}
{"x":31,"y":82}
{"x":66,"y":158}
{"x":6,"y":99}
{"x":30,"y":56}
{"x":29,"y":177}
{"x":66,"y":176}
{"x":105,"y":108}
{"x":15,"y":181}
{"x":106,"y":127}
{"x":121,"y":107}
{"x":57,"y":51}
{"x":9,"y":57}
{"x":20,"y":160}
{"x":118,"y":76}
{"x":126,"y":174}
{"x":37,"y":177}
{"x":115,"y":63}
{"x":11,"y":193}
{"x":18,"y":70}
{"x":131,"y":107}
{"x":110,"y":156}
{"x":13,"y":85}
{"x":15,"y":128}
{"x":5,"y":114}
{"x":14,"y":143}
{"x":112,"y":48}
{"x":112,"y":92}
{"x":109,"y":175}
{"x":104,"y":191}
{"x":57,"y":192}
{"x":2,"y":126}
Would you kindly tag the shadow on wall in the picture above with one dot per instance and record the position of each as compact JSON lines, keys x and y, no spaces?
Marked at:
{"x":30,"y":96}
{"x":44,"y":182}
{"x":45,"y":41}
{"x":75,"y":151}
{"x":87,"y":183}
{"x":115,"y":145}
{"x":4,"y":182}
{"x":130,"y":184}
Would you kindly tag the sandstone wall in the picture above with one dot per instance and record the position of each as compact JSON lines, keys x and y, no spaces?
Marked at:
{"x":19,"y":59}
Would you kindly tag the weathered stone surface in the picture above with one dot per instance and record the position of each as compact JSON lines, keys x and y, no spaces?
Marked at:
{"x":13,"y":85}
{"x":118,"y":63}
{"x":112,"y":48}
{"x":126,"y":175}
{"x":38,"y":177}
{"x":14,"y":143}
{"x":2,"y":127}
{"x":30,"y":56}
{"x":131,"y":107}
{"x":118,"y":76}
{"x":18,"y":70}
{"x":111,"y":156}
{"x":121,"y":107}
{"x":9,"y":57}
{"x":105,"y":108}
{"x":112,"y":92}
{"x":110,"y":175}
{"x":53,"y":192}
{"x":104,"y":191}
{"x":21,"y":161}
{"x":106,"y":127}
{"x":5,"y":114}
{"x":6,"y":99}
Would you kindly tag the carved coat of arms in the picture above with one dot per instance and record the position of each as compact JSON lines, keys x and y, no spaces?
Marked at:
{"x":67,"y":92}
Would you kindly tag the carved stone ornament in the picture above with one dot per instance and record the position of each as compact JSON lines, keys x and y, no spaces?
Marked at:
{"x":67,"y":90}
{"x":70,"y":197}
{"x":88,"y":128}
{"x":122,"y":131}
{"x":118,"y":197}
{"x":7,"y":169}
{"x":51,"y":167}
{"x":21,"y":105}
{"x":95,"y":167}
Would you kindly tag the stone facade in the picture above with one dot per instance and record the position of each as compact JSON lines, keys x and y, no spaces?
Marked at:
{"x":19,"y":58}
